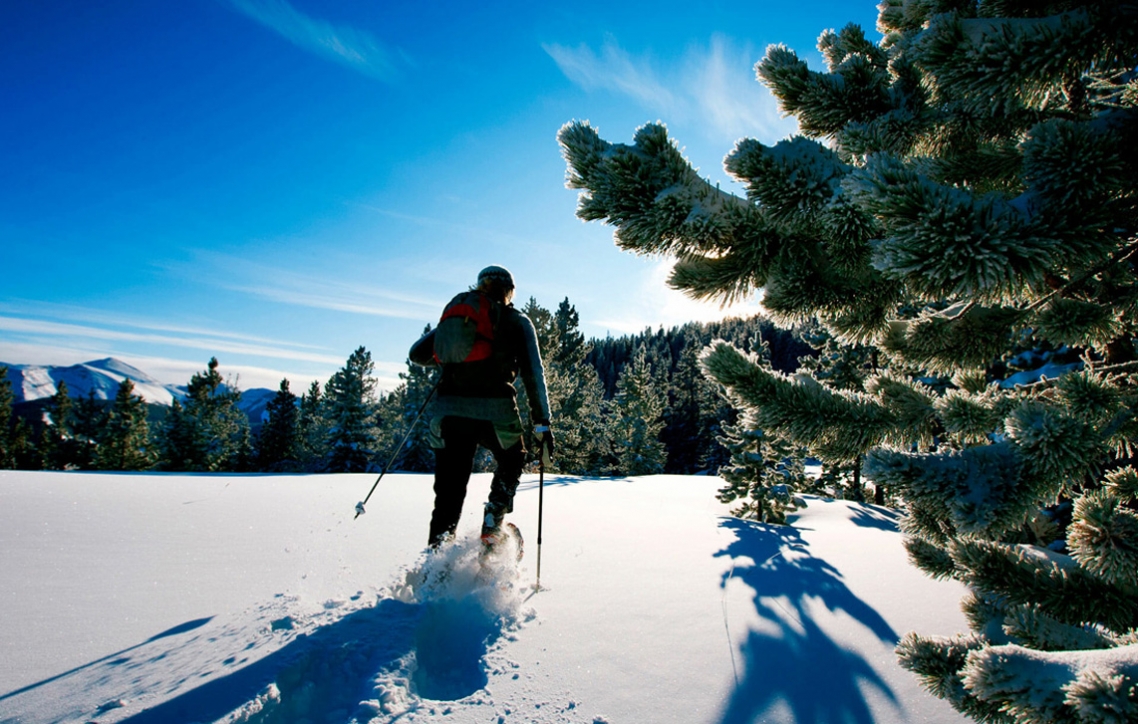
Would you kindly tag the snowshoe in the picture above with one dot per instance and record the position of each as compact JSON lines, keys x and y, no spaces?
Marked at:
{"x":501,"y":540}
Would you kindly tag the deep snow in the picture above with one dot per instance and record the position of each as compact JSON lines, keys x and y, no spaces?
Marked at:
{"x":180,"y":598}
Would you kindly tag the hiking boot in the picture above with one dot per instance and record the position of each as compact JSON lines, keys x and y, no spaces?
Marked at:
{"x":492,"y":523}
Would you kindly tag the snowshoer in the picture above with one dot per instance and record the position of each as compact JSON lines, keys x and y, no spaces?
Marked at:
{"x":482,"y":344}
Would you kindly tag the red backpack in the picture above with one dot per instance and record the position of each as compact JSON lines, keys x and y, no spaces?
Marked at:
{"x":466,"y":330}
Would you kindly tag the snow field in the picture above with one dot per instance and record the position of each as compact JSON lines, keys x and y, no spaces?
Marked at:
{"x":166,"y":598}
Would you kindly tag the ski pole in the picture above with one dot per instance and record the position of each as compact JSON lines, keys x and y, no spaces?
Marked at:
{"x":398,"y":449}
{"x":540,"y":505}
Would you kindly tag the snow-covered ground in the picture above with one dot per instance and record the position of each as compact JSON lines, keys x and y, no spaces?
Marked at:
{"x":181,"y":598}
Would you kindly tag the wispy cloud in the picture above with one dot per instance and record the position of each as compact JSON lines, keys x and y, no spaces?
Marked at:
{"x":286,"y":286}
{"x":712,"y":86}
{"x":43,"y":333}
{"x":463,"y":229}
{"x":38,"y":328}
{"x":40,"y":310}
{"x":613,"y":69}
{"x":251,"y":376}
{"x":357,"y":49}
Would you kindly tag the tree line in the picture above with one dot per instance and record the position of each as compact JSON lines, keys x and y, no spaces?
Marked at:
{"x":630,"y":405}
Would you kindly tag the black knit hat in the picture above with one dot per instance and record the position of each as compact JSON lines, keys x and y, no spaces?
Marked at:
{"x":499,"y":274}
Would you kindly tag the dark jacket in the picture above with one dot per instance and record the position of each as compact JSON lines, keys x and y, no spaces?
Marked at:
{"x":484,"y":390}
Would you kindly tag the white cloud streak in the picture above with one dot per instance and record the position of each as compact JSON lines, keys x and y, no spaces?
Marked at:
{"x":73,"y":314}
{"x":713,"y":87}
{"x":357,"y":49}
{"x":464,"y":230}
{"x":305,"y":290}
{"x":41,"y":329}
{"x":615,"y":70}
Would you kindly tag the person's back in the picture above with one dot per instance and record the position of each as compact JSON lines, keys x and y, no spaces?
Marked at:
{"x":477,"y":402}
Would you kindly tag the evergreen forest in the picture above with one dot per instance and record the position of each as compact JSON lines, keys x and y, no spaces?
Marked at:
{"x":629,"y":405}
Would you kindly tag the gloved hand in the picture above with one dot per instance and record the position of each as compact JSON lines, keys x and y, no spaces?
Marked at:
{"x":544,"y":439}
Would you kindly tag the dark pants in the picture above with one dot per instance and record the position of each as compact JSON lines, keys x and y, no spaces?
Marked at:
{"x":453,"y":463}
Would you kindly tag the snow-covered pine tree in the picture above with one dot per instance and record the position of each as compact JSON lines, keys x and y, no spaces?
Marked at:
{"x":765,"y":471}
{"x":206,"y":432}
{"x":88,"y":417}
{"x":313,"y":429}
{"x":764,"y":474}
{"x":398,"y":412}
{"x":351,"y":408}
{"x":636,"y":420}
{"x":964,"y":186}
{"x":578,"y":403}
{"x":549,"y":342}
{"x":574,"y":390}
{"x":56,"y":440}
{"x":124,"y":442}
{"x":841,"y":366}
{"x":7,"y":458}
{"x":572,"y":347}
{"x":278,"y":442}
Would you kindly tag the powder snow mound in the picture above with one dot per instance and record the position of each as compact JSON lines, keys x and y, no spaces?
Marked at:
{"x":460,"y":571}
{"x":468,"y":603}
{"x":433,"y":636}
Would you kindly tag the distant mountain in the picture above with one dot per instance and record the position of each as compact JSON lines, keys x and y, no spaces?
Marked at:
{"x":103,"y":377}
{"x":253,"y":403}
{"x":37,"y":382}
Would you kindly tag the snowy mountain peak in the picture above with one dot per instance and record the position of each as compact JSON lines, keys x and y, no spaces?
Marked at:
{"x":118,"y":367}
{"x":101,"y":377}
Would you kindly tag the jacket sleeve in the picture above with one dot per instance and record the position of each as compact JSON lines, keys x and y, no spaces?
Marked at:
{"x":533,"y":372}
{"x":423,"y":352}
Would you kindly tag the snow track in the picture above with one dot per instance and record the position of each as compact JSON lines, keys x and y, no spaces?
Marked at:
{"x":429,"y":639}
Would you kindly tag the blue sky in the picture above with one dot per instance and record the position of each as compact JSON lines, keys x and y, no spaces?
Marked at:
{"x":276,"y":183}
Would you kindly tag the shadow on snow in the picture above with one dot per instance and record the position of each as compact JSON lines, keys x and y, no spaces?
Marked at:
{"x":434,"y":650}
{"x":799,"y":664}
{"x":325,"y":671}
{"x":113,"y":659}
{"x":876,"y":516}
{"x":556,"y":480}
{"x":381,"y":659}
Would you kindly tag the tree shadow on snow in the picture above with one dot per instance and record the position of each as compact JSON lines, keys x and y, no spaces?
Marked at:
{"x":791,"y":660}
{"x":875,"y":516}
{"x":561,"y":481}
